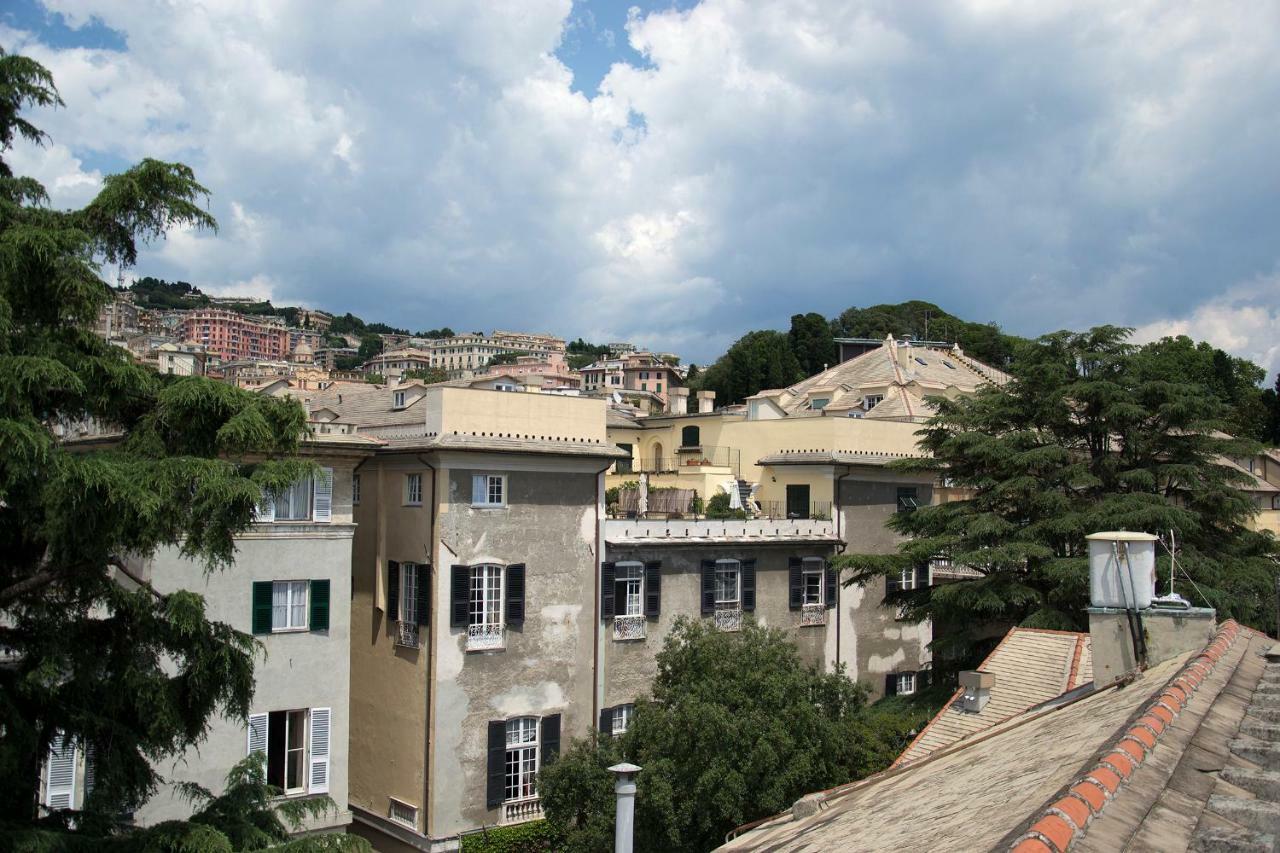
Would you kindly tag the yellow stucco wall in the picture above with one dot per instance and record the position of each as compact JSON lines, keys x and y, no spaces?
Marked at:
{"x":470,"y":410}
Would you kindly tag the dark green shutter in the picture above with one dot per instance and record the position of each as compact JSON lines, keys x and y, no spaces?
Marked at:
{"x":459,"y":596}
{"x":795,"y":578}
{"x":496,"y":790}
{"x":262,"y":607}
{"x":708,"y":587}
{"x":319,"y":606}
{"x":606,"y":722}
{"x":893,"y":583}
{"x":748,"y":580}
{"x":833,"y":581}
{"x":393,"y":590}
{"x":515,"y":594}
{"x":423,"y":600}
{"x":922,"y":576}
{"x":607,"y":604}
{"x":652,"y":588}
{"x":891,"y":684}
{"x":550,"y":739}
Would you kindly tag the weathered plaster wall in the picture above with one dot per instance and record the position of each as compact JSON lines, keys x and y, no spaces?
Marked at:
{"x":300,"y":670}
{"x":630,"y":665}
{"x":546,"y":665}
{"x":873,"y":641}
{"x":388,"y":681}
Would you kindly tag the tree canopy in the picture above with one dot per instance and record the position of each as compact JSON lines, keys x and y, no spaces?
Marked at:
{"x":92,"y":651}
{"x":812,"y":342}
{"x":737,"y":728}
{"x":757,"y":360}
{"x":1092,"y":433}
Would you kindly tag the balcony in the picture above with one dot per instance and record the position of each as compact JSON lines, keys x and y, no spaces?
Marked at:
{"x":692,"y":460}
{"x":407,"y":635}
{"x":813,"y":614}
{"x":816,"y":510}
{"x":717,"y":531}
{"x":729,"y":620}
{"x":520,"y":811}
{"x":629,"y":627}
{"x":482,"y":637}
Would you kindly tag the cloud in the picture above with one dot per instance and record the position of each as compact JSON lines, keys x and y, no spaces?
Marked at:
{"x":1244,"y":321}
{"x":1043,"y":165}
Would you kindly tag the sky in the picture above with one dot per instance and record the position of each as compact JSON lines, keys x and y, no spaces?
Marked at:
{"x":675,"y":174}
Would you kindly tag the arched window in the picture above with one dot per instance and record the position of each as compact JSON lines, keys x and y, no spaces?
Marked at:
{"x":690,"y":437}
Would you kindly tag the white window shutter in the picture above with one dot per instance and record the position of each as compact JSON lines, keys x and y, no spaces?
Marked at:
{"x":60,"y":792}
{"x":258,"y":736}
{"x":319,"y":779}
{"x":479,"y":489}
{"x":322,"y":495}
{"x":266,"y":511}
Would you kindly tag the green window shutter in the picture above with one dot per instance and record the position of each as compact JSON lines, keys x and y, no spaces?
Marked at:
{"x":262,"y":607}
{"x":319,"y":605}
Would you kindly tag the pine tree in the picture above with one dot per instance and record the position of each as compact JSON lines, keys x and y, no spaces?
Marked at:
{"x":91,"y":651}
{"x":1091,"y":434}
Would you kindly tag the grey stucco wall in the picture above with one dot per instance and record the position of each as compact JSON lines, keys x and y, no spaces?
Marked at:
{"x":550,"y":525}
{"x":873,"y":641}
{"x":630,"y":665}
{"x":300,"y":670}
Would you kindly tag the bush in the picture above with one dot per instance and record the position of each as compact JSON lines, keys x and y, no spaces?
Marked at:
{"x":718,"y":507}
{"x":533,"y":837}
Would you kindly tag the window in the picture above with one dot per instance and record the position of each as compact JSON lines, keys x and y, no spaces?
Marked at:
{"x":908,"y":499}
{"x":907,"y":579}
{"x":489,"y":490}
{"x":727,"y":585}
{"x":296,"y":744}
{"x":906,"y":683}
{"x":870,"y":401}
{"x":403,"y":813}
{"x":522,"y":758}
{"x":644,"y":386}
{"x":658,"y":387}
{"x":486,"y":597}
{"x":355,"y":489}
{"x":409,"y":593}
{"x":413,"y":489}
{"x":398,"y":399}
{"x":629,"y":589}
{"x":289,"y":605}
{"x":621,"y":719}
{"x":294,"y":503}
{"x":819,"y":403}
{"x":811,"y":580}
{"x":690,"y":436}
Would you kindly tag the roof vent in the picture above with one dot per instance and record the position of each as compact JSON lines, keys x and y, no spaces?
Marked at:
{"x":977,"y":690}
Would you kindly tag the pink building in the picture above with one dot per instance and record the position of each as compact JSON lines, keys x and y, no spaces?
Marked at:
{"x":552,"y":367}
{"x":235,"y":337}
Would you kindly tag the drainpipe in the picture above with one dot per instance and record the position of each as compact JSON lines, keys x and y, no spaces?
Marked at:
{"x":837,"y":513}
{"x":429,"y":749}
{"x":597,"y":671}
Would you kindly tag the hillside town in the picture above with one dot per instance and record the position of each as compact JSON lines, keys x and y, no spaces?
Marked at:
{"x":647,"y":427}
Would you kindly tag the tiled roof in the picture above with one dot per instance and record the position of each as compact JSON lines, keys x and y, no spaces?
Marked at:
{"x":368,"y":406}
{"x":1031,"y":667}
{"x":903,"y":374}
{"x":511,"y":444}
{"x":1185,"y":756}
{"x":831,"y":457}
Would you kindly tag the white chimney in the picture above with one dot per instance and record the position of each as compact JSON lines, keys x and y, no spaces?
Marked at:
{"x":977,"y":690}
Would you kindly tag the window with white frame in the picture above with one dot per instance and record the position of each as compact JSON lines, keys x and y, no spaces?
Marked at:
{"x":628,"y":583}
{"x":486,"y":597}
{"x":728,"y":585}
{"x":906,"y":683}
{"x":811,"y":579}
{"x":622,"y":715}
{"x":819,"y":403}
{"x":296,"y":748}
{"x":413,"y":489}
{"x":522,"y":758}
{"x":409,"y":593}
{"x":398,"y":399}
{"x":355,"y":489}
{"x":489,"y":490}
{"x":907,"y":579}
{"x":289,"y":605}
{"x":294,"y":503}
{"x":870,"y":401}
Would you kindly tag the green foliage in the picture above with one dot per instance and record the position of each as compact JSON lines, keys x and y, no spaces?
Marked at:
{"x":924,"y":320}
{"x":1091,"y":434}
{"x":718,"y":507}
{"x":579,"y":353}
{"x":370,"y":345}
{"x":1233,"y":381}
{"x":758,"y":360}
{"x":157,"y":293}
{"x":375,"y":378}
{"x":737,"y":729}
{"x":506,"y":357}
{"x":436,"y":334}
{"x":812,"y":342}
{"x":350,"y":324}
{"x":533,"y":837}
{"x":428,"y":375}
{"x":132,"y":673}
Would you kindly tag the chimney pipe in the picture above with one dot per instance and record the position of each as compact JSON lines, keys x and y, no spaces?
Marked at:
{"x":977,"y":690}
{"x":624,"y":786}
